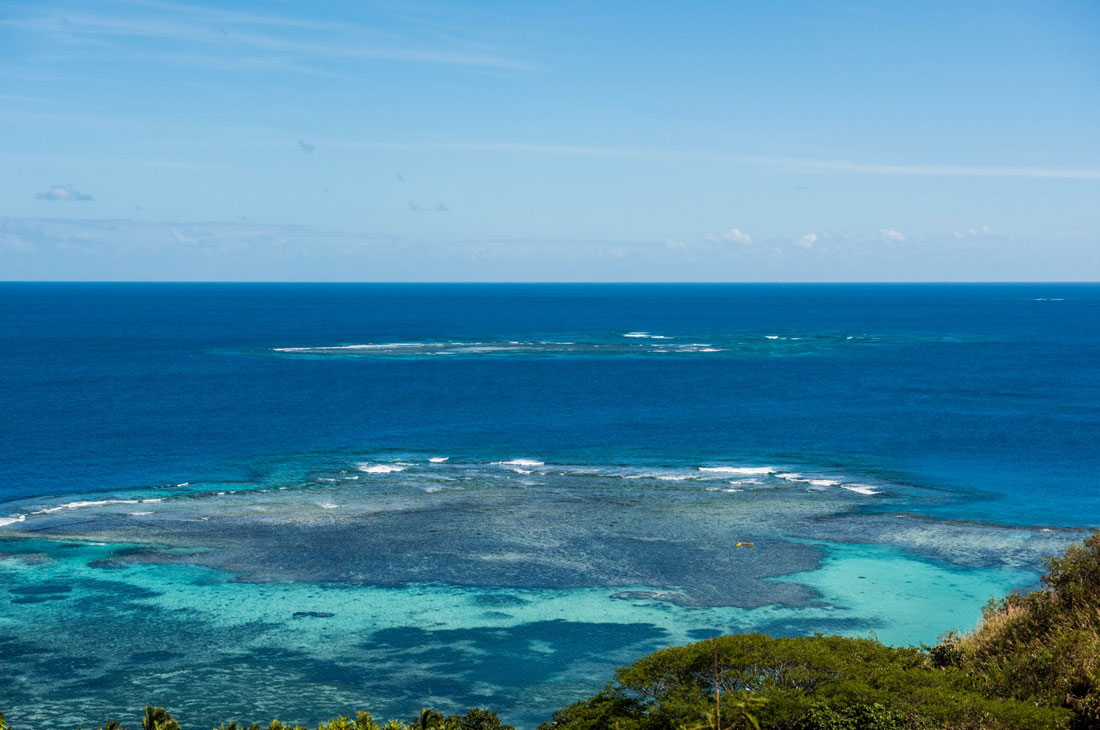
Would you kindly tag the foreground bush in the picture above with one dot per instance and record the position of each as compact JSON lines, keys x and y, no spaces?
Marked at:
{"x":809,"y":683}
{"x":1043,"y":646}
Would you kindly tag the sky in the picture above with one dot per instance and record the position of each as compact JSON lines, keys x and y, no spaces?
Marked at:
{"x":550,"y":141}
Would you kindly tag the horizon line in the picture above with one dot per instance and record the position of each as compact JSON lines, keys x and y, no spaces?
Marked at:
{"x":885,"y":282}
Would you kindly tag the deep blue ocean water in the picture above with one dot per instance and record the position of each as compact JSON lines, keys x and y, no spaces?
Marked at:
{"x":896,"y":451}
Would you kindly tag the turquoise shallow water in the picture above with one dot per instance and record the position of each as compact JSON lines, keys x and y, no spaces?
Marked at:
{"x":331,"y":581}
{"x":287,"y":649}
{"x":247,"y":502}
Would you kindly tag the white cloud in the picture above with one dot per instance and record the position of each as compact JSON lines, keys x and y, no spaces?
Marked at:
{"x":63,"y":192}
{"x":736,"y":235}
{"x":116,"y":250}
{"x":892,"y":235}
{"x":808,"y":240}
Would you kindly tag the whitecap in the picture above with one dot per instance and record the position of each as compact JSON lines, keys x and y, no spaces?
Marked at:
{"x":521,"y":462}
{"x":861,"y":489}
{"x":747,"y":470}
{"x":438,"y":459}
{"x":673,"y":478}
{"x":138,"y":514}
{"x":368,"y":468}
{"x":5,"y":521}
{"x":698,"y":347}
{"x":771,"y":337}
{"x":352,"y":348}
{"x":824,"y":482}
{"x":327,"y":505}
{"x":90,"y":503}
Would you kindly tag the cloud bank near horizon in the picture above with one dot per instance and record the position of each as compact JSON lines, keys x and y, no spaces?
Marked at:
{"x":125,"y":250}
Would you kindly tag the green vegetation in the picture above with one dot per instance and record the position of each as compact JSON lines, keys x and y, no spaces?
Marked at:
{"x":1032,"y":664}
{"x":1044,"y":646}
{"x":809,"y":683}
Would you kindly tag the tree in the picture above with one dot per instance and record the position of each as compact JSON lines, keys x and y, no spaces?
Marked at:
{"x":157,"y":718}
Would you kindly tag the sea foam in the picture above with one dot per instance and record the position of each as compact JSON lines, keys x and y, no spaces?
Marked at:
{"x":90,"y":503}
{"x":747,"y":470}
{"x":861,"y":489}
{"x":369,"y":468}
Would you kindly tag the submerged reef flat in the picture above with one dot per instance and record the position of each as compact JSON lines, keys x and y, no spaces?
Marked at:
{"x":784,"y":343}
{"x":708,"y":535}
{"x":399,"y":580}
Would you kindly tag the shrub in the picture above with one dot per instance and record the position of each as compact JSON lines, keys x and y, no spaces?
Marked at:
{"x":806,"y":683}
{"x":1042,"y":647}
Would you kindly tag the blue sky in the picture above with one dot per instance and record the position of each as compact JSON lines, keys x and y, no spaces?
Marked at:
{"x":567,"y":141}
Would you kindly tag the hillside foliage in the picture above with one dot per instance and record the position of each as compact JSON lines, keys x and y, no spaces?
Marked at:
{"x":1044,"y":646}
{"x":807,"y":683}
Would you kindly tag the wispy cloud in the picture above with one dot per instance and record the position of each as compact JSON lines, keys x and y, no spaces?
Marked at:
{"x":973,"y":233}
{"x":26,"y":99}
{"x":892,"y":235}
{"x":14,"y":242}
{"x":808,"y":240}
{"x":928,"y":169}
{"x":63,"y":192}
{"x":536,"y":148}
{"x":729,"y":157}
{"x":247,"y":33}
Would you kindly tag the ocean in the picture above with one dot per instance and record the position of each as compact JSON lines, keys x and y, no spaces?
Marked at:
{"x":247,"y":501}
